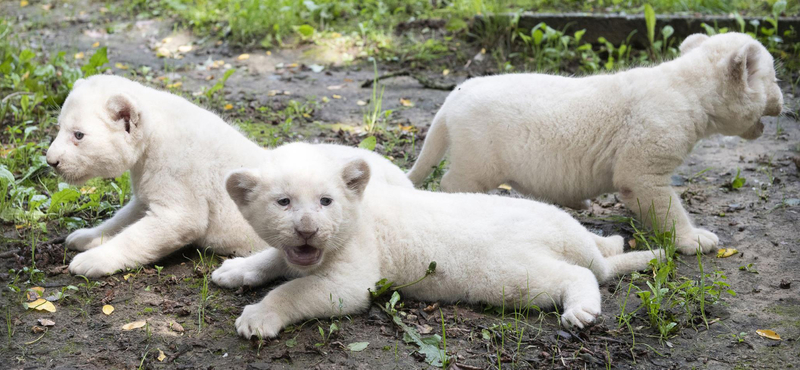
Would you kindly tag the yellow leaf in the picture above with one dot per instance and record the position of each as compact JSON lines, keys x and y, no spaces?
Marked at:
{"x":79,"y":55}
{"x":337,"y":96}
{"x":768,"y":334}
{"x":504,"y":187}
{"x":293,"y":65}
{"x":228,"y":106}
{"x":127,"y":276}
{"x":445,"y":72}
{"x":726,"y":252}
{"x":166,"y":40}
{"x":483,"y":51}
{"x":88,"y":190}
{"x":163,"y":52}
{"x":23,"y":3}
{"x":406,"y":103}
{"x":185,"y":48}
{"x":134,"y":325}
{"x":243,"y":57}
{"x":324,"y":100}
{"x":342,"y":126}
{"x":47,"y":7}
{"x":108,"y":309}
{"x":269,"y":52}
{"x":306,"y":115}
{"x":35,"y":293}
{"x":96,"y":44}
{"x":42,"y":305}
{"x":175,"y":85}
{"x":408,"y":128}
{"x":161,"y":355}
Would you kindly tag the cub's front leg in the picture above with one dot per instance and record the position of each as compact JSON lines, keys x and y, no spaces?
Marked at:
{"x":85,"y":239}
{"x":648,"y":195}
{"x":160,"y":232}
{"x":254,"y":270}
{"x":304,"y":298}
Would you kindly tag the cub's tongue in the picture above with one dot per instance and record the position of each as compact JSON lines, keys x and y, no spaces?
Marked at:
{"x":304,"y":255}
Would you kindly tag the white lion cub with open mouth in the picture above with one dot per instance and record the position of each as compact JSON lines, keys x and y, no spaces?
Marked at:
{"x":566,"y":140}
{"x":178,"y":155}
{"x":341,"y":236}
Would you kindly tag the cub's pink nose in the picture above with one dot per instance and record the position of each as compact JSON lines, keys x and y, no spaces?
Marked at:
{"x":306,"y":234}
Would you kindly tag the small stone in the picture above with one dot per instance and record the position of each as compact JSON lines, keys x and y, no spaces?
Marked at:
{"x":785,"y":284}
{"x":411,"y":317}
{"x":176,"y":327}
{"x":757,"y":289}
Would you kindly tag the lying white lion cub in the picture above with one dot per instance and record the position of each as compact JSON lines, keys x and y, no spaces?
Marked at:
{"x":566,"y":140}
{"x":178,"y":155}
{"x":341,"y":236}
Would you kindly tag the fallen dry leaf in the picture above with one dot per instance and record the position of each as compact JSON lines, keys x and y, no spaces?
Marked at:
{"x":504,"y":187}
{"x":79,"y":55}
{"x":176,"y":327}
{"x":38,"y":329}
{"x":185,"y":48}
{"x":406,"y":103}
{"x":96,"y":44}
{"x":163,"y":52}
{"x":243,"y":57}
{"x":42,"y":304}
{"x":120,"y":66}
{"x":228,"y":107}
{"x":445,"y":72}
{"x":46,"y":322}
{"x":269,"y":52}
{"x":134,"y":325}
{"x":335,"y":87}
{"x":161,"y":355}
{"x":47,"y":7}
{"x":272,"y":92}
{"x":23,"y":3}
{"x":337,"y":96}
{"x":726,"y":252}
{"x":632,"y":243}
{"x":175,"y":85}
{"x":108,"y":309}
{"x":361,"y":102}
{"x":35,"y":293}
{"x":768,"y":334}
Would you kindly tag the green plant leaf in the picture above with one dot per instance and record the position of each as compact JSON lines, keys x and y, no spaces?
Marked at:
{"x":650,"y":20}
{"x":96,"y":62}
{"x":221,"y":83}
{"x":368,"y":143}
{"x":357,"y":346}
{"x":305,"y":30}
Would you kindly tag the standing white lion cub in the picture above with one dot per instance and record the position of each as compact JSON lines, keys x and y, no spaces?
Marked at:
{"x":178,"y":155}
{"x":342,"y":236}
{"x":566,"y":140}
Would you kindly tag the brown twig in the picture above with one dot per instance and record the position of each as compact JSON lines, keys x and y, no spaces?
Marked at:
{"x":424,"y":81}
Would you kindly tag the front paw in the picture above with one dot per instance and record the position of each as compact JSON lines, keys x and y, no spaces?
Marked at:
{"x":83,"y":239}
{"x":689,"y":241}
{"x":257,"y":321}
{"x":236,"y":272}
{"x":581,"y":314}
{"x":96,"y":263}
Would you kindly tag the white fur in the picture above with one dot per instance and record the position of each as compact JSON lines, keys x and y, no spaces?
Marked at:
{"x":487,"y":248}
{"x":178,"y":155}
{"x":565,"y":140}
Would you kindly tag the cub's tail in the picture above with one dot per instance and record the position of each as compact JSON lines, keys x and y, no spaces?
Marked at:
{"x":432,"y":150}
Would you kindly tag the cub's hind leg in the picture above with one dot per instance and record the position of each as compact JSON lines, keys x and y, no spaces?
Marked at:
{"x":609,"y":246}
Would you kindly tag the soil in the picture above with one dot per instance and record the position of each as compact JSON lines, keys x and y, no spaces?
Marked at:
{"x":761,"y":220}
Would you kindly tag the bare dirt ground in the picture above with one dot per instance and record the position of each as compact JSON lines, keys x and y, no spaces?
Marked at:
{"x":761,"y":220}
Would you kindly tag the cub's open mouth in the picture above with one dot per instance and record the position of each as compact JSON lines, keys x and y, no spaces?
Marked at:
{"x":304,"y":255}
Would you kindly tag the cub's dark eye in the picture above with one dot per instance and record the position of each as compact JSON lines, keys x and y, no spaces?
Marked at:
{"x":325,"y":201}
{"x":78,"y":135}
{"x":283,"y":202}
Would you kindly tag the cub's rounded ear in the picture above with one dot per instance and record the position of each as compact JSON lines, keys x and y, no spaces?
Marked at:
{"x":240,"y":185}
{"x":692,"y":42}
{"x":78,"y":82}
{"x":356,"y":175}
{"x":743,"y":64}
{"x":123,"y":109}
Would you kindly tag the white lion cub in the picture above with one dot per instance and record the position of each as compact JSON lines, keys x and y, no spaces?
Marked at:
{"x":341,"y":236}
{"x":566,"y":140}
{"x":178,"y":155}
